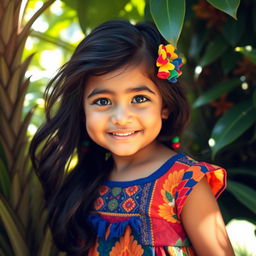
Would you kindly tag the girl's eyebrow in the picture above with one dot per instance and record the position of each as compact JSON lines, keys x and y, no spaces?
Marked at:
{"x":129,"y":90}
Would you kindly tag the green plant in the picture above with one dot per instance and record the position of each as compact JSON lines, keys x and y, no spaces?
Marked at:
{"x":241,"y":251}
{"x":220,"y":78}
{"x":22,"y":212}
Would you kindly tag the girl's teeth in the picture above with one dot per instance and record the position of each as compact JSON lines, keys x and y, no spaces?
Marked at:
{"x":123,"y":134}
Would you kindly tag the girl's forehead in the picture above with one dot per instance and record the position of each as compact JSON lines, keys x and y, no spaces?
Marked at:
{"x":121,"y":80}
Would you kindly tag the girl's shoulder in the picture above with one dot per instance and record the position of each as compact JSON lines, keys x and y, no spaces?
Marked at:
{"x":186,"y":162}
{"x":186,"y":173}
{"x":193,"y":171}
{"x":189,"y":172}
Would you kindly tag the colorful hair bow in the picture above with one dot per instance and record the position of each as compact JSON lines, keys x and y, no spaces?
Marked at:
{"x":168,"y":62}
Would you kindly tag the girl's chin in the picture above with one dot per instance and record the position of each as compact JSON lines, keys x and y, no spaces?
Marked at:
{"x":123,"y":153}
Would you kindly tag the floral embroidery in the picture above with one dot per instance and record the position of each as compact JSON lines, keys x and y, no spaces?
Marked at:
{"x":103,"y":190}
{"x":116,"y":191}
{"x":127,"y":246}
{"x":112,"y":204}
{"x":131,"y":190}
{"x":167,"y":213}
{"x":98,"y":203}
{"x":175,"y":251}
{"x":166,"y":210}
{"x":128,"y":205}
{"x":187,"y":251}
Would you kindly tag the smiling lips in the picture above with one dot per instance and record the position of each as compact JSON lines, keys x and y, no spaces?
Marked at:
{"x":119,"y":134}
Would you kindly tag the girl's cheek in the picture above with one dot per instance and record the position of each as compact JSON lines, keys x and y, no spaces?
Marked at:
{"x":151,"y":111}
{"x":95,"y":118}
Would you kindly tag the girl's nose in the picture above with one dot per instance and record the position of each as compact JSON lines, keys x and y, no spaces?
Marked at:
{"x":121,"y":115}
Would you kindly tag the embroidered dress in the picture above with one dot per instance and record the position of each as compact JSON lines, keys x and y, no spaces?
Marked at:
{"x":142,"y":217}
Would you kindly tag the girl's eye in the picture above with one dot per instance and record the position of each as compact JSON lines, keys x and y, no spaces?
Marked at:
{"x":102,"y":102}
{"x":139,"y":99}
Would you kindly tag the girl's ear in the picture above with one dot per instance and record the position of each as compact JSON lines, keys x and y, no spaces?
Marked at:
{"x":165,"y":113}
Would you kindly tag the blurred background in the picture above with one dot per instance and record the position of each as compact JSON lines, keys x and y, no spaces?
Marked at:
{"x":218,"y":45}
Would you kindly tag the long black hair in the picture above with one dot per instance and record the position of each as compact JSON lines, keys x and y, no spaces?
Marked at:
{"x":70,"y":194}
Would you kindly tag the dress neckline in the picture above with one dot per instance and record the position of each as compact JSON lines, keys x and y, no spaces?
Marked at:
{"x":153,"y":176}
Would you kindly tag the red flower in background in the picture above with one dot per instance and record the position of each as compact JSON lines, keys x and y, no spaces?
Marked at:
{"x":221,"y":106}
{"x":214,"y":17}
{"x":246,"y":68}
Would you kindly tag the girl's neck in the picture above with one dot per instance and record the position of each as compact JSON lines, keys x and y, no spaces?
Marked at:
{"x":142,"y":163}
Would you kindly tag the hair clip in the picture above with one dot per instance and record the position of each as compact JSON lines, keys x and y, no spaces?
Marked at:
{"x":169,"y":63}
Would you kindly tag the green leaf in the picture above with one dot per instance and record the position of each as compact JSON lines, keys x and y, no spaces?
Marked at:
{"x":213,"y":51}
{"x":228,"y":6}
{"x":147,"y":13}
{"x":5,"y":182}
{"x":2,"y":155}
{"x":244,"y":194}
{"x":216,"y":91}
{"x":71,"y":3}
{"x":254,"y":98}
{"x":197,"y":43}
{"x":13,"y":229}
{"x":232,"y":124}
{"x":242,"y":171}
{"x":91,"y":13}
{"x":248,"y":52}
{"x":233,"y":30}
{"x":168,"y":16}
{"x":53,"y":40}
{"x":4,"y":245}
{"x":229,"y":60}
{"x":254,"y":18}
{"x":47,"y":243}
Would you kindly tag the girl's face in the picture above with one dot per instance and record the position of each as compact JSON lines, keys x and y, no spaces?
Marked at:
{"x":124,"y":111}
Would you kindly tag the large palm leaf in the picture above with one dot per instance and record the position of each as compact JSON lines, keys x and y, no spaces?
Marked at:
{"x":23,"y":229}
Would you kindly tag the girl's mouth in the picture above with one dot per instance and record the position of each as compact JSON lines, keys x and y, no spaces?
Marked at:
{"x":120,"y":135}
{"x":123,"y":134}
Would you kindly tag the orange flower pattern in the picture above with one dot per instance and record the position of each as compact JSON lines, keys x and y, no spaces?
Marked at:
{"x":127,"y":246}
{"x":98,"y":203}
{"x":166,"y":210}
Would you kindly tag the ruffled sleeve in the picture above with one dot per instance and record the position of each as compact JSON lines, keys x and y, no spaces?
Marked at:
{"x":215,"y":176}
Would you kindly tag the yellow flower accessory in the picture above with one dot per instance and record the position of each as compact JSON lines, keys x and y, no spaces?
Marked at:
{"x":169,"y":63}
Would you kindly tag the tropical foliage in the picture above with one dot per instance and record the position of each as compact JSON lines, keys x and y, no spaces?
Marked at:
{"x":215,"y":38}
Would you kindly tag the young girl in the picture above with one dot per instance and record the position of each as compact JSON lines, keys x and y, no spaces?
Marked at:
{"x":118,"y":107}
